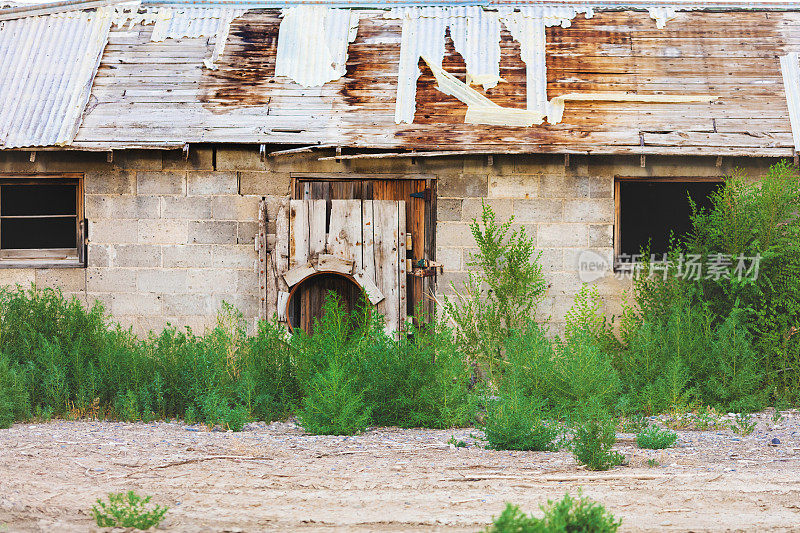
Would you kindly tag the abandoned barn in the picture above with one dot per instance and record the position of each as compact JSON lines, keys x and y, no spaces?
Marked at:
{"x":163,"y":157}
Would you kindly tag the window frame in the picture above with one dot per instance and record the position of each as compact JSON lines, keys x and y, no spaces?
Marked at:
{"x":644,"y":179}
{"x":48,"y":257}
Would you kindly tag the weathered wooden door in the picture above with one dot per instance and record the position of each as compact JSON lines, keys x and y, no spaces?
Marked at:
{"x":420,"y":219}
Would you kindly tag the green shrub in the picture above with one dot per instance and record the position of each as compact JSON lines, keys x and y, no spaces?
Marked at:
{"x":593,"y":442}
{"x":127,"y":510}
{"x":14,"y":401}
{"x":502,"y":291}
{"x":333,"y":405}
{"x":563,"y":516}
{"x":517,"y":424}
{"x":566,"y":375}
{"x":654,"y":438}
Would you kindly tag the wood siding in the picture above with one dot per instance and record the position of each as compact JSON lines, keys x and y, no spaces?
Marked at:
{"x":159,"y":94}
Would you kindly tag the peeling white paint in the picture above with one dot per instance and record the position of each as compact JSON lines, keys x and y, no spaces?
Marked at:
{"x":790,"y":69}
{"x":313,"y":42}
{"x":662,"y":15}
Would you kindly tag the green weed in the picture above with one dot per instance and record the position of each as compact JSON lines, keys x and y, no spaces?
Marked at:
{"x":593,"y":442}
{"x":743,"y":424}
{"x":654,"y":438}
{"x":127,"y":510}
{"x":566,"y":515}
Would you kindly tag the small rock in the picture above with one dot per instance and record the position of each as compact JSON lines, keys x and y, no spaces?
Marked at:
{"x":775,"y":441}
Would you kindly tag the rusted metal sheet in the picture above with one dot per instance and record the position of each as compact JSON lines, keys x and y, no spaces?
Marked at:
{"x":47,"y":64}
{"x":160,"y":92}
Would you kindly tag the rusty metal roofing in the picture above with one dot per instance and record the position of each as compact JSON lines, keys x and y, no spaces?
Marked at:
{"x":47,"y":64}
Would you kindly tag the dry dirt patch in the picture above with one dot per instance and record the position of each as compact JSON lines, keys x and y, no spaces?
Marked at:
{"x":276,"y":477}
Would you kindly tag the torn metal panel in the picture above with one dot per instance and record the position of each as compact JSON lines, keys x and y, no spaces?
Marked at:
{"x":790,"y":70}
{"x":476,"y":36}
{"x":312,"y":44}
{"x":47,"y":64}
{"x":192,"y":23}
{"x":662,"y":15}
{"x":423,"y":35}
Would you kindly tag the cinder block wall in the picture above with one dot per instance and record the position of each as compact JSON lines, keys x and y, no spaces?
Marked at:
{"x":170,"y":239}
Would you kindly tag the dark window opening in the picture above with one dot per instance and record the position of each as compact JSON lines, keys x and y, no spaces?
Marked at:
{"x":41,"y":219}
{"x":651,"y":211}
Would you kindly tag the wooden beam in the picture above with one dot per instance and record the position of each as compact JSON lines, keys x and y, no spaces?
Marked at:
{"x":302,"y":149}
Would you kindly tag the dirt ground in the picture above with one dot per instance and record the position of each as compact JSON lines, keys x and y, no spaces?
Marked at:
{"x":276,"y":477}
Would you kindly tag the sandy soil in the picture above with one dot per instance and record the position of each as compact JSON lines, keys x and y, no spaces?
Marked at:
{"x":276,"y":477}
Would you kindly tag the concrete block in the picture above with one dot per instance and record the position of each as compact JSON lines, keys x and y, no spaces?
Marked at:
{"x":589,"y":210}
{"x":97,"y":255}
{"x":305,"y":162}
{"x":551,"y":259}
{"x":248,"y":283}
{"x":463,"y":186}
{"x":125,"y":205}
{"x":562,"y":235}
{"x":564,"y":283}
{"x":540,"y":164}
{"x":235,"y":256}
{"x":213,"y":232}
{"x":264,"y":183}
{"x":138,"y":159}
{"x":601,"y":186}
{"x":449,"y":282}
{"x":186,"y":207}
{"x":188,"y":256}
{"x":109,"y":182}
{"x":472,"y":209}
{"x":246,"y":232}
{"x":161,"y":280}
{"x":136,"y":304}
{"x":163,"y":231}
{"x":105,"y":299}
{"x":448,"y":209}
{"x":110,"y":280}
{"x":598,"y":258}
{"x":17,"y":276}
{"x":169,"y":182}
{"x":188,"y":304}
{"x":538,"y":210}
{"x":232,"y":157}
{"x":561,"y":186}
{"x":235,"y":207}
{"x":72,"y":161}
{"x":134,"y":255}
{"x":454,"y":234}
{"x":450,"y":258}
{"x":66,"y":279}
{"x":211,"y":281}
{"x":111,"y":231}
{"x":399,"y":165}
{"x":200,"y":158}
{"x":468,"y":258}
{"x":513,"y":186}
{"x":208,"y":183}
{"x":601,"y":235}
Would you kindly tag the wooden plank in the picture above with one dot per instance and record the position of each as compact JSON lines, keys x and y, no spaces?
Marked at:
{"x":297,"y":274}
{"x":299,"y":233}
{"x":368,"y":234}
{"x":402,"y":313}
{"x":344,"y":235}
{"x":282,"y":239}
{"x":267,"y":292}
{"x":317,"y":226}
{"x":333,"y":263}
{"x":374,"y":294}
{"x":386,"y":222}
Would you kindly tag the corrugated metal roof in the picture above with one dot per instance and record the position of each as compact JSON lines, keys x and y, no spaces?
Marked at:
{"x":191,"y":22}
{"x":306,"y":58}
{"x":47,"y":64}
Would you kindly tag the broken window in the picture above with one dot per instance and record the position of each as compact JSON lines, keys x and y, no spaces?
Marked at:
{"x":653,"y":210}
{"x":41,"y":220}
